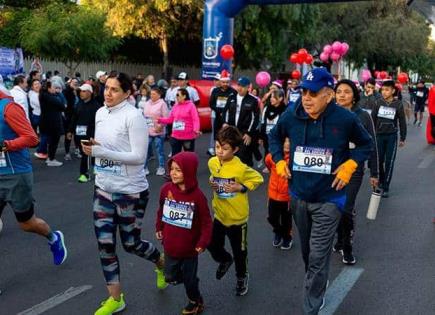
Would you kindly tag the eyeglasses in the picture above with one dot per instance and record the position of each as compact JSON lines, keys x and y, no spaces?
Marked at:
{"x":306,"y":92}
{"x":179,"y":95}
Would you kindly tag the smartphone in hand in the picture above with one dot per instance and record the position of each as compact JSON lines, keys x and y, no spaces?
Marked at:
{"x":86,"y":142}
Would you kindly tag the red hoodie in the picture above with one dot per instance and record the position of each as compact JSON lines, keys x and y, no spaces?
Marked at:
{"x":184,"y":216}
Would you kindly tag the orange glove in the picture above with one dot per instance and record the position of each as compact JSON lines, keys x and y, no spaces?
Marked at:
{"x":346,"y":170}
{"x":282,"y":169}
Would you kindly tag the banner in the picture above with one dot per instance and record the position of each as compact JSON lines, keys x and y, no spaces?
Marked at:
{"x":11,"y":61}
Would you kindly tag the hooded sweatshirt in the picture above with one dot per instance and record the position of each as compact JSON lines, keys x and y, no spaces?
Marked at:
{"x":154,"y":110}
{"x":184,"y":119}
{"x":183,"y":215}
{"x":326,"y":137}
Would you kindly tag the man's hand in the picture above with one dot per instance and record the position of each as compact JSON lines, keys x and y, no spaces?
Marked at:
{"x":401,"y":144}
{"x":199,"y":250}
{"x":374,"y":182}
{"x":343,"y":174}
{"x":247,"y":139}
{"x":69,"y":136}
{"x":282,"y":169}
{"x":87,"y":149}
{"x":233,"y":187}
{"x":159,"y":235}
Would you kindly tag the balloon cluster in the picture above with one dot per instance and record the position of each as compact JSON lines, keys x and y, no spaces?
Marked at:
{"x":334,"y":52}
{"x":381,"y":75}
{"x":302,"y":56}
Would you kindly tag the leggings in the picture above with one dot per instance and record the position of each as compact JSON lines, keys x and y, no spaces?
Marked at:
{"x":125,"y":212}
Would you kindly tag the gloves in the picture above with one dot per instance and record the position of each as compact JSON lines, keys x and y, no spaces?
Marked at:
{"x":346,"y":170}
{"x":281,"y":168}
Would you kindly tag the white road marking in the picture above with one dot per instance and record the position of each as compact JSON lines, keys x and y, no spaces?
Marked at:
{"x":55,"y":300}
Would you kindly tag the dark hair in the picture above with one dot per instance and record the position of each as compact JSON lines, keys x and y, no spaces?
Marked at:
{"x":157,"y":89}
{"x":352,"y":85}
{"x":32,"y":73}
{"x":230,"y":135}
{"x":371,"y":81}
{"x":185,"y":93}
{"x":123,"y":79}
{"x":389,"y":83}
{"x":278,"y":93}
{"x":33,"y":81}
{"x":56,"y":72}
{"x":78,"y":75}
{"x":19,"y":79}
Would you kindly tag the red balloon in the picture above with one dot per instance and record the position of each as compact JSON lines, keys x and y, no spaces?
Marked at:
{"x":303,"y":53}
{"x":383,"y":75}
{"x":309,"y":59}
{"x":294,"y":58}
{"x":402,"y":77}
{"x":227,"y":52}
{"x":296,"y":74}
{"x":376,"y":74}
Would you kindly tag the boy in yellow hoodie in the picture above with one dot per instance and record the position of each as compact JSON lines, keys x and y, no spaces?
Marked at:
{"x":230,"y":180}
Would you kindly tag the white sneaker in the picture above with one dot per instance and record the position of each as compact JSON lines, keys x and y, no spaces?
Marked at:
{"x":147,"y":171}
{"x":77,"y":153}
{"x":53,"y":162}
{"x":67,"y":157}
{"x":260,"y":164}
{"x":161,"y":171}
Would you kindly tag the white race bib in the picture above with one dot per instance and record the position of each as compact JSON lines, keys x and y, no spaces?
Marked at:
{"x":110,"y":167}
{"x":221,"y":191}
{"x":178,"y":213}
{"x":150,"y":122}
{"x":81,"y":130}
{"x":294,"y":97}
{"x":269,"y":127}
{"x":312,"y":160}
{"x":387,"y":112}
{"x":221,"y":102}
{"x":178,"y":125}
{"x":3,"y":162}
{"x":420,"y":94}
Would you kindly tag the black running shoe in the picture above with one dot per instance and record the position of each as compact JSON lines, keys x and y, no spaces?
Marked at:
{"x":242,"y":285}
{"x":223,"y":268}
{"x":193,"y":307}
{"x":338,"y":248}
{"x":349,"y":258}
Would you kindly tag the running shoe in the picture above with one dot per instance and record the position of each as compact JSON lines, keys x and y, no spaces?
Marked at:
{"x":58,"y":248}
{"x":223,"y":269}
{"x":338,"y":248}
{"x":287,"y":243}
{"x":147,"y":171}
{"x":77,"y":153}
{"x":67,"y":157}
{"x":415,"y":122}
{"x":193,"y":307}
{"x":111,"y":306}
{"x":242,"y":285}
{"x":161,"y":283}
{"x":419,"y":123}
{"x":83,"y":179}
{"x":277,"y":240}
{"x":41,"y":156}
{"x":160,"y":171}
{"x":349,"y":258}
{"x":53,"y":162}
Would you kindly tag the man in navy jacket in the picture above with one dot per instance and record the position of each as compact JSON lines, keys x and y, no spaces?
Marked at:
{"x":321,"y":166}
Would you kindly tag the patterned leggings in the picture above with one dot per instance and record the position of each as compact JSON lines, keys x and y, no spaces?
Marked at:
{"x":126,"y":212}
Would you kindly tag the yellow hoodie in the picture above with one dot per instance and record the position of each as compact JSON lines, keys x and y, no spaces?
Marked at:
{"x":232,"y":208}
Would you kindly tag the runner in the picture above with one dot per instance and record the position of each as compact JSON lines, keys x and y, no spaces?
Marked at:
{"x":347,"y":96}
{"x":369,"y":96}
{"x":388,"y":114}
{"x":421,"y":96}
{"x":121,"y":188}
{"x":293,"y":93}
{"x":322,"y":165}
{"x":16,"y":176}
{"x":184,"y":226}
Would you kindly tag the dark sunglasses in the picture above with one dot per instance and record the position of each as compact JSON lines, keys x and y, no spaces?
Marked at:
{"x":306,"y":92}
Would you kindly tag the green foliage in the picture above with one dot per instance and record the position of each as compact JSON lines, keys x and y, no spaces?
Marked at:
{"x":10,"y":19}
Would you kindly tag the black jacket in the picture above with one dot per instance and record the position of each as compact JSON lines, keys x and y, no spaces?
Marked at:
{"x":368,"y":102}
{"x":219,"y":98}
{"x":52,"y":107}
{"x":249,"y":114}
{"x":84,"y":115}
{"x":389,"y":126}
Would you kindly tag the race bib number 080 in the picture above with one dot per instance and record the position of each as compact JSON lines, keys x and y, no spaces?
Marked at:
{"x":109,"y":167}
{"x":312,"y":160}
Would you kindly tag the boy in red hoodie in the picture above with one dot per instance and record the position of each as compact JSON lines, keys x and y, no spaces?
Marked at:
{"x":184,"y":226}
{"x":279,"y":203}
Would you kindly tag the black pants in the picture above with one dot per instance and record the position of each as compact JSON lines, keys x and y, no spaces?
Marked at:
{"x":280,"y":218}
{"x":346,"y":227}
{"x":245,"y":154}
{"x":237,"y":234}
{"x":53,"y":142}
{"x":183,"y":270}
{"x":387,"y":148}
{"x":178,"y":145}
{"x":85,"y":160}
{"x":432,"y":121}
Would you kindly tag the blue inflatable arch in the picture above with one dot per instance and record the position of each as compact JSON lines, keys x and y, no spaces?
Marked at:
{"x":219,"y":27}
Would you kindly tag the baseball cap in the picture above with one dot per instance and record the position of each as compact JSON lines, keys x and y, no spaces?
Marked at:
{"x":243,"y":81}
{"x":86,"y":87}
{"x":217,"y":76}
{"x":317,"y":79}
{"x":182,"y":76}
{"x":99,"y":74}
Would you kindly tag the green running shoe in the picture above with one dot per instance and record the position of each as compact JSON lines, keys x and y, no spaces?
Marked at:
{"x":111,"y":306}
{"x":83,"y":179}
{"x":161,"y":283}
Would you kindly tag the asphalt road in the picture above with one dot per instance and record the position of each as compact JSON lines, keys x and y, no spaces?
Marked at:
{"x":395,"y":251}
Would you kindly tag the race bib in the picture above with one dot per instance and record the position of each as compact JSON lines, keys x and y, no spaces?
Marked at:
{"x":221,"y":102}
{"x":294,"y":97}
{"x":221,"y":191}
{"x":81,"y":130}
{"x":150,"y":122}
{"x":312,"y":160}
{"x":420,"y":94}
{"x":109,"y":167}
{"x":178,"y":213}
{"x":3,"y":162}
{"x":269,"y":127}
{"x":387,"y":112}
{"x":352,"y":145}
{"x":178,"y":125}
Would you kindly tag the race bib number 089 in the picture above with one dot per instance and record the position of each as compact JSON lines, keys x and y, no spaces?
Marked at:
{"x":312,"y":160}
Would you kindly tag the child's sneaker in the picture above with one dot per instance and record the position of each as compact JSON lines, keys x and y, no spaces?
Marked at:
{"x":58,"y":248}
{"x":287,"y":243}
{"x":277,"y":240}
{"x":160,"y":171}
{"x":193,"y":307}
{"x":111,"y":306}
{"x":161,"y":282}
{"x":242,"y":285}
{"x":348,"y":258}
{"x":223,"y":268}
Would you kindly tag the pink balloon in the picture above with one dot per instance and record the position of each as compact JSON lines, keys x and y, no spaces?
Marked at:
{"x":344,"y":48}
{"x":365,"y":75}
{"x":335,"y":56}
{"x":336,"y":47}
{"x":327,"y":49}
{"x":262,"y":79}
{"x":324,"y":57}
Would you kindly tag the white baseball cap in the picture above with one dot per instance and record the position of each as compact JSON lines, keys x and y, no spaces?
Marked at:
{"x":86,"y":87}
{"x":182,"y":76}
{"x":99,"y":74}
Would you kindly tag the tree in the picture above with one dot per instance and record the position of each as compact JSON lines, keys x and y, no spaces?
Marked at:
{"x":71,"y":34}
{"x":10,"y":21}
{"x":153,"y":19}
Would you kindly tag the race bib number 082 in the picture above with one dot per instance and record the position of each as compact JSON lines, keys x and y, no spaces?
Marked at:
{"x":312,"y":160}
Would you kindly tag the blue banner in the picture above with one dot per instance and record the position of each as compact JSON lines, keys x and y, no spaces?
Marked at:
{"x":11,"y":61}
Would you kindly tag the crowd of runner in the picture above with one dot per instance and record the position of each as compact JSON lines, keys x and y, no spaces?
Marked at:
{"x":314,"y":137}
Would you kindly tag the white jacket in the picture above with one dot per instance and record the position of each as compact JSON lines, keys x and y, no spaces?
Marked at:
{"x":34,"y":103}
{"x":20,"y":97}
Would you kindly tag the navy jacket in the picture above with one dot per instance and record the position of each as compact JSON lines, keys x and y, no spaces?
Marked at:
{"x":334,"y":129}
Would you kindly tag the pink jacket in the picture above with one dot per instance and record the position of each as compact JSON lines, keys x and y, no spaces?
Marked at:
{"x":184,"y":119}
{"x":152,"y":111}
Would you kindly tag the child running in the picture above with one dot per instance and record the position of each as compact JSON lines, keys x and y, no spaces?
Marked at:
{"x":230,"y":180}
{"x":184,"y":226}
{"x":279,"y":203}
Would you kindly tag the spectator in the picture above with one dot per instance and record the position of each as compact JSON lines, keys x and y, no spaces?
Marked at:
{"x":19,"y":93}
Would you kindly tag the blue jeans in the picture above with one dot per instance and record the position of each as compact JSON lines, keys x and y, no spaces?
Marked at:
{"x":159,"y":142}
{"x":43,"y":144}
